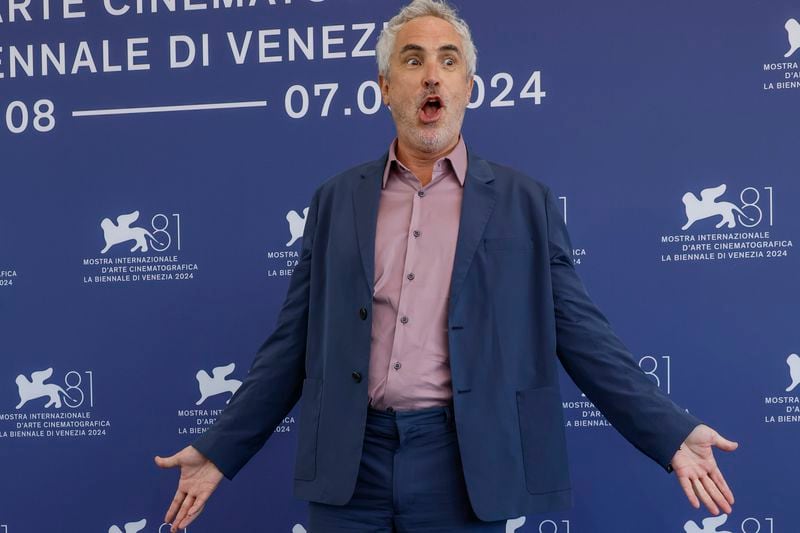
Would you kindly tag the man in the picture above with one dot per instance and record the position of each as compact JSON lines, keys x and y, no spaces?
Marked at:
{"x":447,"y":282}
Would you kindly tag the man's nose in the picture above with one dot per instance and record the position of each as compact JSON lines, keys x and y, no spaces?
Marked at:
{"x":431,"y":78}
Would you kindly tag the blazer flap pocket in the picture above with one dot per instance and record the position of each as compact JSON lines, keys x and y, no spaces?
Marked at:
{"x":308,"y":424}
{"x":544,"y":446}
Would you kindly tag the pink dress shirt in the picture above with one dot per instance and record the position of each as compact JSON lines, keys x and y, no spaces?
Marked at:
{"x":415,"y":244}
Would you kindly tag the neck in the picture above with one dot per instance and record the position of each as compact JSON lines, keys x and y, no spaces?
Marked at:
{"x":420,"y":162}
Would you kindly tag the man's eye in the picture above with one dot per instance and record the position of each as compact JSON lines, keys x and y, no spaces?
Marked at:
{"x":449,"y":62}
{"x":412,"y":61}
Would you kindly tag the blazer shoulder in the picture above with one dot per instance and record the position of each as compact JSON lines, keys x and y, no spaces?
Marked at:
{"x":348,"y":178}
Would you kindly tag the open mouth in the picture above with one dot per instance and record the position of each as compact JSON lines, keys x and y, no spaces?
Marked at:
{"x":431,"y":109}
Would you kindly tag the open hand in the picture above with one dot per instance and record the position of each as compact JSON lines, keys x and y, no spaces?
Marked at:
{"x":697,"y":470}
{"x":199,"y":478}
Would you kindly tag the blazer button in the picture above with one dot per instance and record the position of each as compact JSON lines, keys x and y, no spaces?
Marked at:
{"x":363,"y":313}
{"x":356,"y":377}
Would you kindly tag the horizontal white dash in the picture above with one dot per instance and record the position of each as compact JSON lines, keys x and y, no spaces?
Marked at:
{"x":167,"y":108}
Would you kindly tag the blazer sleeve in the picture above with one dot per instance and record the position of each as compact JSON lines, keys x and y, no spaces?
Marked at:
{"x":274,"y":381}
{"x":601,"y":366}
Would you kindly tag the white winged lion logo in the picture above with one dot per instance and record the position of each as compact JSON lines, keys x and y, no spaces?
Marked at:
{"x":37,"y":388}
{"x":216,"y":382}
{"x":707,"y":206}
{"x":122,"y":231}
{"x":130,"y":527}
{"x":793,"y":33}
{"x":297,"y":224}
{"x":710,"y":525}
{"x":794,"y":371}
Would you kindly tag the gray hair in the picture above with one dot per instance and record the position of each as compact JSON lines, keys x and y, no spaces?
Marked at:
{"x":425,"y":8}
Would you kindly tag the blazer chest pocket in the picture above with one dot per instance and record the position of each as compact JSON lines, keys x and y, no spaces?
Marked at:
{"x":512,"y":244}
{"x":544,"y":446}
{"x":308,"y":424}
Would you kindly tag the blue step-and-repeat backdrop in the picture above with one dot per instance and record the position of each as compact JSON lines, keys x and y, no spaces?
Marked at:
{"x":157,"y":158}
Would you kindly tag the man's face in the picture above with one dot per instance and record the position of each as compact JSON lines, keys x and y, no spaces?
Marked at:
{"x":427,"y":87}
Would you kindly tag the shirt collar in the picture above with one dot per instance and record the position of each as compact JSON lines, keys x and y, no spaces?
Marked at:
{"x":457,"y":158}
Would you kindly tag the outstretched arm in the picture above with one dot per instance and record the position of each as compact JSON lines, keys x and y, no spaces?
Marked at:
{"x":272,"y":386}
{"x":604,"y":369}
{"x":274,"y":381}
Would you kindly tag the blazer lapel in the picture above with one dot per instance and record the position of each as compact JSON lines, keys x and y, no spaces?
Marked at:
{"x":476,"y":208}
{"x":366,"y":195}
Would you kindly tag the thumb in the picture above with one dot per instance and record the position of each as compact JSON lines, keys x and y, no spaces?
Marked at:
{"x":167,"y":462}
{"x":724,"y":444}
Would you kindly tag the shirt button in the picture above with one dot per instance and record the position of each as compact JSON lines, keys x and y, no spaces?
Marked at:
{"x":397,"y":365}
{"x":417,"y":233}
{"x":363,"y":313}
{"x":404,"y":320}
{"x":410,"y":276}
{"x":420,"y":193}
{"x":356,"y":377}
{"x":390,"y":409}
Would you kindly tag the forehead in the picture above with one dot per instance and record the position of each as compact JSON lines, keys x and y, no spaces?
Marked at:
{"x":428,"y":32}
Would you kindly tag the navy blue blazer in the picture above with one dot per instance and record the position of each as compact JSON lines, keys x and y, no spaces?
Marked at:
{"x":516,"y":307}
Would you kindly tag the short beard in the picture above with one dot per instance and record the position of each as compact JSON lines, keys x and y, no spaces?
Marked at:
{"x":433,"y":139}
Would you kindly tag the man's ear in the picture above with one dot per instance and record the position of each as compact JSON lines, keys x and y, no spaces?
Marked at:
{"x":383,"y":81}
{"x":471,"y":83}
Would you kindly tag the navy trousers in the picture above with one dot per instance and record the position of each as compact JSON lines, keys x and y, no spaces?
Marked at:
{"x":410,"y":480}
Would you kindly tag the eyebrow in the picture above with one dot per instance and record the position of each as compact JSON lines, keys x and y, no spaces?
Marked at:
{"x":418,"y":48}
{"x":409,"y":47}
{"x":450,"y":48}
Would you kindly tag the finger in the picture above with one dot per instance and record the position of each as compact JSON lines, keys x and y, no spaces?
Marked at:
{"x":177,"y":501}
{"x":199,"y":503}
{"x":724,"y":444}
{"x":190,"y":517}
{"x":719,"y":479}
{"x":715,"y":494}
{"x":687,"y":488}
{"x":196,"y":509}
{"x":184,"y":510}
{"x":704,"y":497}
{"x":166,"y":462}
